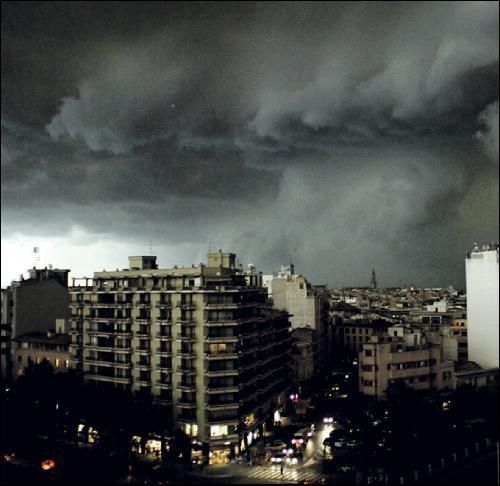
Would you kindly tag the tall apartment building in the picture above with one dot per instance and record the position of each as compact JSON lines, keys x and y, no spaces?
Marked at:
{"x":31,"y":305}
{"x":386,"y":360}
{"x":307,"y":305}
{"x":481,"y":269}
{"x":202,"y":341}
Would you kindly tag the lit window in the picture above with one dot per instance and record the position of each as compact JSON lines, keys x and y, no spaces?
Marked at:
{"x":216,"y":430}
{"x":57,"y":362}
{"x":66,"y":363}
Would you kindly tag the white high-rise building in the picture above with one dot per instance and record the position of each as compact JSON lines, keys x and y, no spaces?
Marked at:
{"x":481,"y":269}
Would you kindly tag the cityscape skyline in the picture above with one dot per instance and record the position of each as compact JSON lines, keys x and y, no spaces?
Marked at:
{"x":344,"y":137}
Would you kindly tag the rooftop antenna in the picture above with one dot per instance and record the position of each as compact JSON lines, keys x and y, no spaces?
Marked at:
{"x":36,"y":252}
{"x":209,"y":246}
{"x":150,"y":247}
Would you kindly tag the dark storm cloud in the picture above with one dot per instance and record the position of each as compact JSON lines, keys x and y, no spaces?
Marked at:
{"x":322,"y":130}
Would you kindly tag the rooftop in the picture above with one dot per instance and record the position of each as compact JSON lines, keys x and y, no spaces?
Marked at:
{"x":44,"y":338}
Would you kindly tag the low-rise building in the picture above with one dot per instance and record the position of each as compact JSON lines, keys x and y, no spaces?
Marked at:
{"x":36,"y":347}
{"x":353,"y":333}
{"x":386,"y":360}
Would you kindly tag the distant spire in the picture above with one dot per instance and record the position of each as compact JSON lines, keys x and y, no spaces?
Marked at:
{"x":373,"y":282}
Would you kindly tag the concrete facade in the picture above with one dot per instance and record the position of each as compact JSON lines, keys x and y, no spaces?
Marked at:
{"x":201,"y":340}
{"x":388,"y":360}
{"x":308,"y":307}
{"x":33,"y":348}
{"x":32,"y":305}
{"x":481,"y":268}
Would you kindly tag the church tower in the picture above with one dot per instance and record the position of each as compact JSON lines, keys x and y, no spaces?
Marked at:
{"x":373,"y":282}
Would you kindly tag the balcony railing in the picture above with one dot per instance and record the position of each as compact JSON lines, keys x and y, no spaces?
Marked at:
{"x":164,"y":367}
{"x":221,"y":323}
{"x":163,"y":305}
{"x":223,"y":389}
{"x":186,"y":404}
{"x":186,"y":371}
{"x":213,"y":407}
{"x":223,"y":372}
{"x":165,"y":385}
{"x":186,"y":354}
{"x":220,"y":356}
{"x":163,"y":336}
{"x":186,"y":337}
{"x":186,"y":387}
{"x":222,"y":339}
{"x":186,"y":322}
{"x":186,"y":306}
{"x":163,"y":351}
{"x":143,"y":381}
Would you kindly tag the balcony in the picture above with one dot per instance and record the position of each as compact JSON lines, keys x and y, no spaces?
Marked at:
{"x":164,"y":352}
{"x":223,"y":389}
{"x":230,"y":305}
{"x":122,"y":364}
{"x":104,"y":305}
{"x":163,"y":305}
{"x":214,"y":407}
{"x":100,"y":331}
{"x":164,"y":367}
{"x":143,"y":381}
{"x":222,"y":339}
{"x":187,"y":404}
{"x":221,"y":323}
{"x":185,"y":371}
{"x":187,"y":306}
{"x":113,"y":379}
{"x":143,"y":305}
{"x":186,"y":337}
{"x":186,"y":322}
{"x":186,"y":354}
{"x":220,"y":356}
{"x":142,"y":334}
{"x":223,"y":372}
{"x":142,"y":365}
{"x":99,"y":362}
{"x":124,"y":333}
{"x":100,"y":347}
{"x":164,"y":385}
{"x":162,"y":401}
{"x":125,"y":305}
{"x":163,"y":336}
{"x":186,"y":387}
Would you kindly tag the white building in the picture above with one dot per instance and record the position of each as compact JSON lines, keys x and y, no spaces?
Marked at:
{"x":481,"y":268}
{"x":307,"y":305}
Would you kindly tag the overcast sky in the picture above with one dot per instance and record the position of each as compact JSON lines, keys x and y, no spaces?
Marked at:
{"x":343,"y":136}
